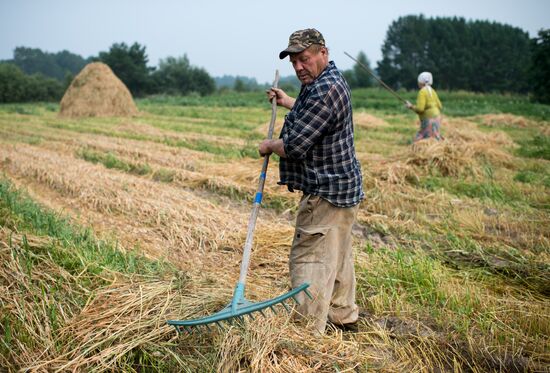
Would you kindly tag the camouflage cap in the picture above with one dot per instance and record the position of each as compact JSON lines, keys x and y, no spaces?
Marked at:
{"x":301,"y":40}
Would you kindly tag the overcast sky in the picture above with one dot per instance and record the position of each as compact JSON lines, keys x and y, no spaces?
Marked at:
{"x":239,"y":37}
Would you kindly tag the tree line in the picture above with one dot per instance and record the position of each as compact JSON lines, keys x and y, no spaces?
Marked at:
{"x":479,"y":56}
{"x":34,"y":75}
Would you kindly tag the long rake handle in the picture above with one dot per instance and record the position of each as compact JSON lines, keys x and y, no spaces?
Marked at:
{"x":377,"y":78}
{"x":259,"y":194}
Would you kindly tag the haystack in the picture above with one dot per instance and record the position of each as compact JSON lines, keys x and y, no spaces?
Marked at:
{"x":97,"y":92}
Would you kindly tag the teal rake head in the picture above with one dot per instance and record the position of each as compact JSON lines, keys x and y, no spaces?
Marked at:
{"x":238,"y":309}
{"x":239,"y":306}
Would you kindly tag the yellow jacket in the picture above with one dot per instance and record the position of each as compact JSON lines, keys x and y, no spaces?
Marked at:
{"x":427,"y":103}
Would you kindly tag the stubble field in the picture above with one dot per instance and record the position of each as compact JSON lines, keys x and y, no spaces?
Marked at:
{"x":110,"y":226}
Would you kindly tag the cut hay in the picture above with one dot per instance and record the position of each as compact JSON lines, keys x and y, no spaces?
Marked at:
{"x":97,"y":92}
{"x":464,"y":152}
{"x":425,"y":157}
{"x":180,"y":221}
{"x":463,"y":130}
{"x":185,"y":167}
{"x":164,"y":220}
{"x":57,"y":333}
{"x":503,"y":120}
{"x":123,"y":319}
{"x":368,"y":121}
{"x":448,"y":158}
{"x":167,"y":136}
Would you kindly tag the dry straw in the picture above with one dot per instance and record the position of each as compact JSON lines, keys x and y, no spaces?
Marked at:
{"x":203,"y":236}
{"x":368,"y":121}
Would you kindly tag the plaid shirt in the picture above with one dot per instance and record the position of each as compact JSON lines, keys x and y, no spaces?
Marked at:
{"x":318,"y":142}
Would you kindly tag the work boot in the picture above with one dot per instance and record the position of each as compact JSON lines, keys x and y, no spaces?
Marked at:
{"x":352,"y":327}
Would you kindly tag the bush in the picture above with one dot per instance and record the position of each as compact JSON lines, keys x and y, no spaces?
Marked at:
{"x":15,"y":86}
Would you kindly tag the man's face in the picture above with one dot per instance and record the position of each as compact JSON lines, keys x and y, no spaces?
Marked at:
{"x":309,"y":64}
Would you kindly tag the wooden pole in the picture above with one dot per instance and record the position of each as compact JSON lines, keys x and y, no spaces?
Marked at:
{"x":377,"y":79}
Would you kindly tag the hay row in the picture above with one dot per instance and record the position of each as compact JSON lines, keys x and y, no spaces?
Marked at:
{"x":191,"y":168}
{"x":141,"y":127}
{"x":505,"y":120}
{"x":185,"y":223}
{"x":199,"y":240}
{"x":368,"y":121}
{"x":188,"y":168}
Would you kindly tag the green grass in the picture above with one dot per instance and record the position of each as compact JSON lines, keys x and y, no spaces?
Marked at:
{"x":457,"y":103}
{"x":537,"y":147}
{"x":530,"y":177}
{"x":507,"y":263}
{"x":482,"y":190}
{"x":164,"y":175}
{"x":409,"y":280}
{"x":223,"y":99}
{"x":227,"y":152}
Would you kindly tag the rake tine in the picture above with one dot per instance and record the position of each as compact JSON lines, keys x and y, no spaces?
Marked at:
{"x":308,"y":294}
{"x":295,"y":300}
{"x":251,"y":316}
{"x":220,"y":325}
{"x":208,"y":327}
{"x":273,"y":309}
{"x":285,"y":306}
{"x":263,"y":314}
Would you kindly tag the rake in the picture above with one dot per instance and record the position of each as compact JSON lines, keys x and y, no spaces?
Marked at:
{"x":377,"y":78}
{"x":239,"y":307}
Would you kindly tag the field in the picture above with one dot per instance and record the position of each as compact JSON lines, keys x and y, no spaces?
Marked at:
{"x":111,"y":226}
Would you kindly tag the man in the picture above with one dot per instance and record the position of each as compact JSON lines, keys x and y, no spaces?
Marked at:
{"x":317,"y":154}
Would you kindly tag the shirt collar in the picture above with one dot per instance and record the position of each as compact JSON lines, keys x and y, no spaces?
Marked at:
{"x":330,"y":66}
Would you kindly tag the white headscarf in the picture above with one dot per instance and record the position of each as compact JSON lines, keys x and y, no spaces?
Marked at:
{"x":427,"y":79}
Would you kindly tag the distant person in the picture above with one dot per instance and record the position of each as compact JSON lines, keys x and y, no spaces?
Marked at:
{"x":317,"y":156}
{"x":428,"y":107}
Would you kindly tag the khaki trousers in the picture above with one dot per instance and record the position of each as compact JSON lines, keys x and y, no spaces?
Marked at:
{"x":321,"y":255}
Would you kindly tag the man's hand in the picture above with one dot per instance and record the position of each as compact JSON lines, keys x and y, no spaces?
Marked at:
{"x":264,"y":148}
{"x":282,"y":98}
{"x":267,"y":147}
{"x":408,"y":105}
